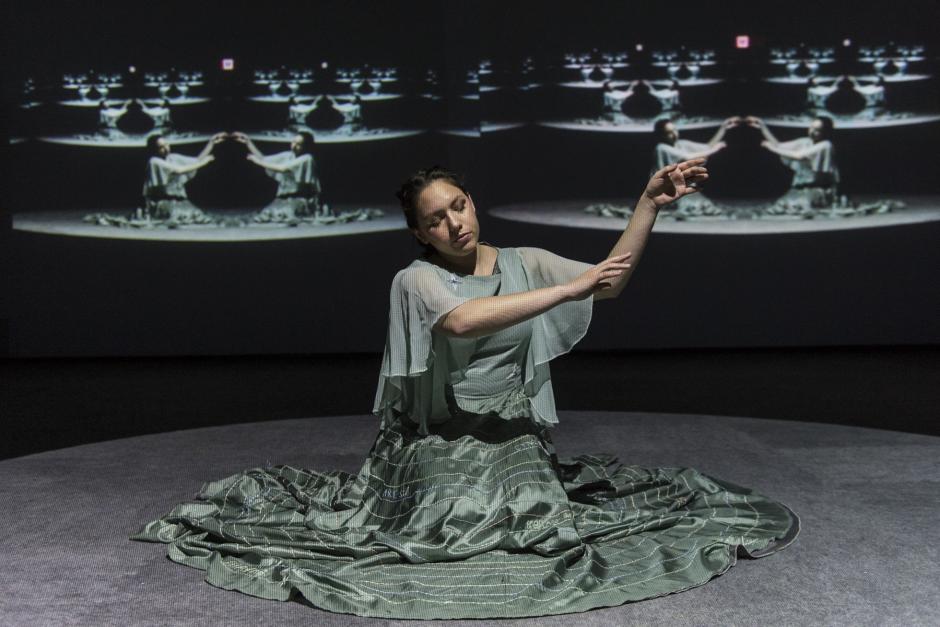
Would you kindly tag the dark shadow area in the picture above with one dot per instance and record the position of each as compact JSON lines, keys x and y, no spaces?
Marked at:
{"x":48,"y":404}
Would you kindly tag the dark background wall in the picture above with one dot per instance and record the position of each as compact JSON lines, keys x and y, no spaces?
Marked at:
{"x":758,"y":318}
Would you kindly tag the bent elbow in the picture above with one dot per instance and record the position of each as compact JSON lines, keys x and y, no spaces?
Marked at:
{"x":452,"y":326}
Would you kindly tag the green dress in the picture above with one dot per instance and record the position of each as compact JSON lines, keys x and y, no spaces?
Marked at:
{"x":462,"y":509}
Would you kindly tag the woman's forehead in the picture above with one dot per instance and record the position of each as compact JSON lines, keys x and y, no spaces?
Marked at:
{"x":437,"y":195}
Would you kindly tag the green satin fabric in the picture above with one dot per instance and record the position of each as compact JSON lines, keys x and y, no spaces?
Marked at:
{"x":471,"y":517}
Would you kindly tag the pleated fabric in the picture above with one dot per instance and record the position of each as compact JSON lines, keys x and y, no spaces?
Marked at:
{"x":462,"y":509}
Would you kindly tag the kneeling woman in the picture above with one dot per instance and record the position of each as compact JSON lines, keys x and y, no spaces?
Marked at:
{"x":462,"y":509}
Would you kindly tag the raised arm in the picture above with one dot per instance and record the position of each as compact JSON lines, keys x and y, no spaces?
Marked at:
{"x":801,"y":153}
{"x":723,"y":128}
{"x":755,"y":122}
{"x":212,"y":143}
{"x":250,"y":145}
{"x":666,"y":185}
{"x":200,"y":162}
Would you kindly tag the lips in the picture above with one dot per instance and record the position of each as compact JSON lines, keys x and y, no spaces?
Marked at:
{"x":463,"y":238}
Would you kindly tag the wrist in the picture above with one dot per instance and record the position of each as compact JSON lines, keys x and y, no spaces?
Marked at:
{"x":561,"y":293}
{"x":645,"y":203}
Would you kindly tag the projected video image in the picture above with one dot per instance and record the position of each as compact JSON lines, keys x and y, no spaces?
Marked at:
{"x":817,"y":112}
{"x":179,"y":124}
{"x":796,"y":136}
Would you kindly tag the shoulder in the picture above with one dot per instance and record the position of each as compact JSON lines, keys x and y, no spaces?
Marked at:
{"x":532,"y":257}
{"x":413,"y":277}
{"x":531,"y":252}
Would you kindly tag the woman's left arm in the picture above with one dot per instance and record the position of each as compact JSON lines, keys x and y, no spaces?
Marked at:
{"x":667,"y":185}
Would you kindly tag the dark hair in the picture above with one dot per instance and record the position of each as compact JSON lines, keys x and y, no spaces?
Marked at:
{"x":659,"y":128}
{"x":411,"y":189}
{"x":152,"y":143}
{"x":827,"y":126}
{"x":308,"y":142}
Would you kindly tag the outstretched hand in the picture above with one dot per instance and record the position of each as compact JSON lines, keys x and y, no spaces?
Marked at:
{"x":597,"y":278}
{"x":675,"y":181}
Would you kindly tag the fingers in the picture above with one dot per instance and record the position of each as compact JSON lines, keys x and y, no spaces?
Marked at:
{"x":616,"y":259}
{"x":662,"y":171}
{"x":677,"y":178}
{"x":685,"y":165}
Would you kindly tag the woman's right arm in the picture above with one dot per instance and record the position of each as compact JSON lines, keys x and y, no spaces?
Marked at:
{"x":487,"y":315}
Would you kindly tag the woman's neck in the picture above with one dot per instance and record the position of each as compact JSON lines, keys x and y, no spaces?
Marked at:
{"x":476,"y":263}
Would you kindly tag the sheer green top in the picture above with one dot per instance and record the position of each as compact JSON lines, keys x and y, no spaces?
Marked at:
{"x":429,"y":377}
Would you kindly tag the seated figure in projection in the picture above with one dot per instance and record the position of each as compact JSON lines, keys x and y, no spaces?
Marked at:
{"x":614,"y":98}
{"x":109,"y":115}
{"x":295,"y":170}
{"x":352,"y":111}
{"x":159,"y":113}
{"x":462,"y":508}
{"x":818,"y":90}
{"x":167,"y":174}
{"x":325,"y":115}
{"x":668,"y":96}
{"x":812,"y":159}
{"x":872,"y":91}
{"x":297,"y":112}
{"x":845,"y":94}
{"x":670,"y":148}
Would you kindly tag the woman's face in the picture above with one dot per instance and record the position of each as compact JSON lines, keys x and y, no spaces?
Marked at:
{"x":816,"y":131}
{"x":670,"y":133}
{"x":446,"y":219}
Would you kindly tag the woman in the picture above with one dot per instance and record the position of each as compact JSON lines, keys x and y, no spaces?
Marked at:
{"x":670,"y":149}
{"x":812,"y":159}
{"x":167,"y":174}
{"x":614,"y":98}
{"x":295,"y":170}
{"x":462,"y":509}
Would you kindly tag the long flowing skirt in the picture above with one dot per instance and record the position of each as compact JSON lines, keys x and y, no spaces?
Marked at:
{"x":485,"y":522}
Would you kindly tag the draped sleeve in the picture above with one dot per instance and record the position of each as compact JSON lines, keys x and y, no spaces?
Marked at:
{"x":819,"y":167}
{"x":554,"y":332}
{"x":411,"y":379}
{"x":162,"y":179}
{"x":300,"y":175}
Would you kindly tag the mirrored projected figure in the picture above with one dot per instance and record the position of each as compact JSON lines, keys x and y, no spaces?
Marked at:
{"x":297,"y":112}
{"x":326,"y":113}
{"x":812,"y":159}
{"x":670,"y":148}
{"x":845,"y":94}
{"x":872,"y":91}
{"x":818,"y":91}
{"x":167,"y":174}
{"x":816,"y":181}
{"x":159,"y":113}
{"x":295,"y":170}
{"x":668,"y":96}
{"x":351,"y":110}
{"x":108,"y":116}
{"x":614,"y":99}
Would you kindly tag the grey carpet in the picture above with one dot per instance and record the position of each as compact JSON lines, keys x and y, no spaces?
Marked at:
{"x":867,"y":553}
